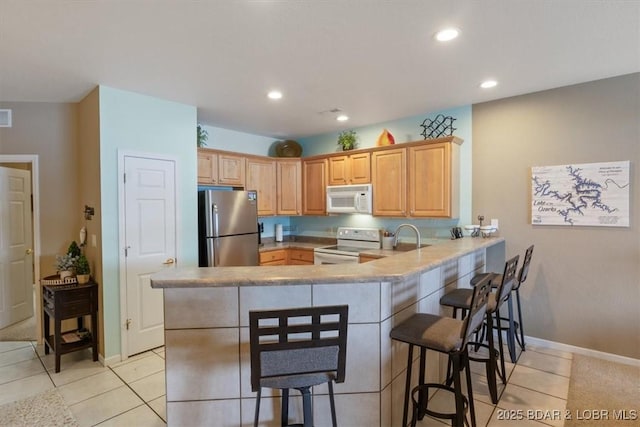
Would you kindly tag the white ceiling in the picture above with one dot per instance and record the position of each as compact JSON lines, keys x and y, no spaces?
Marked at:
{"x":375,"y":60}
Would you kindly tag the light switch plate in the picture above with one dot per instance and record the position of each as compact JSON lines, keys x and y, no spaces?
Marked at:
{"x":494,"y":223}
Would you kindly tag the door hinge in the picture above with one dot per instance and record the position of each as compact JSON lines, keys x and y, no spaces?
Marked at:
{"x":124,"y":178}
{"x":128,"y":323}
{"x":126,"y":251}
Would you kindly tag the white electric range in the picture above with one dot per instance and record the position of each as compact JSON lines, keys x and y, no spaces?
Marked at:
{"x":351,"y":241}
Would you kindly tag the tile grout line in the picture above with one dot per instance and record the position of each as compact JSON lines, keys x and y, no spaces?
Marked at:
{"x":35,"y":351}
{"x":140,"y":397}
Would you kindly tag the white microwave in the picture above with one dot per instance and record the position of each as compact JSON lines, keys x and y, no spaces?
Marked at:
{"x":349,"y":199}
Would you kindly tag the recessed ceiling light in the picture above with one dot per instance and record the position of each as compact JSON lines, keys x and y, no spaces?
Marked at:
{"x":275,"y":94}
{"x":447,"y":34}
{"x":342,"y":118}
{"x":488,"y":84}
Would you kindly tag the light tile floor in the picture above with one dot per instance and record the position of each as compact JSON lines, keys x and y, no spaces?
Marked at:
{"x":133,"y":392}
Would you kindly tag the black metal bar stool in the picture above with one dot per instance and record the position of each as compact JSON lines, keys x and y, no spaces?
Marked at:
{"x":461,"y":298}
{"x":298,"y":348}
{"x":516,"y":328}
{"x":444,"y":335}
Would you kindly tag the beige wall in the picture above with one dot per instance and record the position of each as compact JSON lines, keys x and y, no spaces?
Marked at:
{"x":89,"y":191}
{"x":49,"y":130}
{"x":584,"y":286}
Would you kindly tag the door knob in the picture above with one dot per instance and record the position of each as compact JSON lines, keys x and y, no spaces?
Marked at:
{"x":169,"y":261}
{"x":29,"y":251}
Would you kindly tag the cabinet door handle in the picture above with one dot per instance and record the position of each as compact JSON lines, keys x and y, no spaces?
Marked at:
{"x":169,"y":261}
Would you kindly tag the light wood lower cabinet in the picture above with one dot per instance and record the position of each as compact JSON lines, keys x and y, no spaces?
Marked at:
{"x":291,"y":256}
{"x":300,"y":257}
{"x":367,"y":258}
{"x":275,"y":257}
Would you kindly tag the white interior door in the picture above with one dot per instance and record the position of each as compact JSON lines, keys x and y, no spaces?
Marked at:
{"x":150,"y":241}
{"x":16,"y":246}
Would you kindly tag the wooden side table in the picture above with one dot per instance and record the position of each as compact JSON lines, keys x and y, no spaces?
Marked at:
{"x":66,"y":302}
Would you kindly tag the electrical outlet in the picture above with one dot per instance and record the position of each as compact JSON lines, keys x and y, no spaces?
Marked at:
{"x":494,"y":223}
{"x":94,"y":242}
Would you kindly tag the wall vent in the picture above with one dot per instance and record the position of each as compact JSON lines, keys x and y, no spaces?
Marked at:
{"x":5,"y":118}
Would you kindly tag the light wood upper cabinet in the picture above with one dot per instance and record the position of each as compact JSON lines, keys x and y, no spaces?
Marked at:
{"x":389,"y":179}
{"x":417,"y":179}
{"x":289,"y":187}
{"x":231,"y":170}
{"x":220,"y":168}
{"x":207,"y":167}
{"x":433,"y":180}
{"x":360,"y":168}
{"x":261,"y":176}
{"x":350,"y":169}
{"x":314,"y":182}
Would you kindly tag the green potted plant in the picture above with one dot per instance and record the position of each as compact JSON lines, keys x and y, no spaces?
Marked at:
{"x":74,"y":249}
{"x":347,"y":140}
{"x":203,"y":135}
{"x":82,"y":269}
{"x":65,"y":264}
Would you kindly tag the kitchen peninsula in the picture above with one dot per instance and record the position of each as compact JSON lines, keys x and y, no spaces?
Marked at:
{"x":207,"y":333}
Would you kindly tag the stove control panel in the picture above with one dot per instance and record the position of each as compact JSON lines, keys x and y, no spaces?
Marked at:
{"x":359,"y":234}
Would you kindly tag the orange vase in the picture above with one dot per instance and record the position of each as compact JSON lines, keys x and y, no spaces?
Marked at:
{"x":385,"y":138}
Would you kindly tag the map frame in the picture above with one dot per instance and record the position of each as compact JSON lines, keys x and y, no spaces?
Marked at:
{"x":582,"y":194}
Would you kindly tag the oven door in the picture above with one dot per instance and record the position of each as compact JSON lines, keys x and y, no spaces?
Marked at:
{"x":327,"y":258}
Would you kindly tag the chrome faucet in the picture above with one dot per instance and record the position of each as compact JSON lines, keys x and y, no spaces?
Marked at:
{"x":395,"y":235}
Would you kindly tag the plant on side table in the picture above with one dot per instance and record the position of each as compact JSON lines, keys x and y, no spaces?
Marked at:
{"x":64,"y":265}
{"x":83,"y":270}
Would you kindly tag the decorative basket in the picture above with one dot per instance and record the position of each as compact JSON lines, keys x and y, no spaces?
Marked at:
{"x":56,"y":280}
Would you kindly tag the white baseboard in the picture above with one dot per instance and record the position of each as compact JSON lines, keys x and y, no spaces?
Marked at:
{"x":583,"y":351}
{"x":112,"y":360}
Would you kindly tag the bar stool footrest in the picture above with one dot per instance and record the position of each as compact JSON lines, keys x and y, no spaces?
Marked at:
{"x":486,"y":359}
{"x":418,"y":413}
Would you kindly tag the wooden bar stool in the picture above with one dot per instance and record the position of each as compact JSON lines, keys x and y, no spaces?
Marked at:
{"x":444,"y":335}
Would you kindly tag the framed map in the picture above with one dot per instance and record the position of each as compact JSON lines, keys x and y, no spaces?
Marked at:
{"x":589,"y":194}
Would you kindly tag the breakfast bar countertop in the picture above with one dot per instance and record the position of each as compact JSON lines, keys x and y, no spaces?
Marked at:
{"x":388,"y":268}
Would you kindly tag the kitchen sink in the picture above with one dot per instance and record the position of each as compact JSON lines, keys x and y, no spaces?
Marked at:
{"x":404,"y":247}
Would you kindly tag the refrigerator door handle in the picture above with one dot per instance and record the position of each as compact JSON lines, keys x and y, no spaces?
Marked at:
{"x":215,"y":220}
{"x":215,"y":243}
{"x":212,"y":253}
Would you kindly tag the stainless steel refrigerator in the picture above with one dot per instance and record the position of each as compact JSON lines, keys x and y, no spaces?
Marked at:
{"x":228,"y":228}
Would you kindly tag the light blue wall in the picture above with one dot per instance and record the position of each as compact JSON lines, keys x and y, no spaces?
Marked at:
{"x":403,"y":130}
{"x":134,"y":122}
{"x":240,"y":142}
